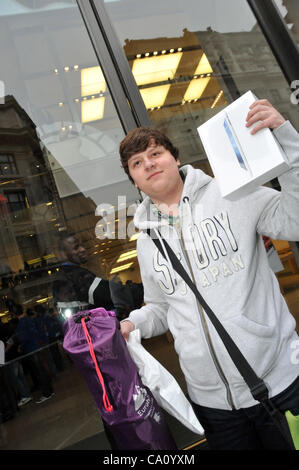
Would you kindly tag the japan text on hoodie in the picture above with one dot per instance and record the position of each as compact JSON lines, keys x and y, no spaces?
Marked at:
{"x":220,"y":244}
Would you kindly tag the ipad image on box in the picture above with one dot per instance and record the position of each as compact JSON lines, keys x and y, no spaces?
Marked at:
{"x":235,"y":144}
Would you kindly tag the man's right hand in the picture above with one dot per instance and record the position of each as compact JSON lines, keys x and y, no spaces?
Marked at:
{"x":126,"y":327}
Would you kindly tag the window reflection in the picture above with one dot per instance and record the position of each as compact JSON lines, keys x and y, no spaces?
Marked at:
{"x":7,"y":165}
{"x":189,"y":61}
{"x":59,"y":162}
{"x":36,"y":207}
{"x":170,"y":78}
{"x":30,"y":209}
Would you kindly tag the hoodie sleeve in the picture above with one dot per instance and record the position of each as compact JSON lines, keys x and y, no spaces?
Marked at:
{"x":279,"y":217}
{"x":151,"y":319}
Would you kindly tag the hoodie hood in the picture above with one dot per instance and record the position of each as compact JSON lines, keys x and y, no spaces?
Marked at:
{"x":194,"y":180}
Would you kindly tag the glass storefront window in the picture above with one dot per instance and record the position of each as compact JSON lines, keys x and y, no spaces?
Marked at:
{"x":189,"y":61}
{"x":59,"y":165}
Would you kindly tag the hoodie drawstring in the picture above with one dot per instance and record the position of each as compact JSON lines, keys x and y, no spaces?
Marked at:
{"x":187,"y":205}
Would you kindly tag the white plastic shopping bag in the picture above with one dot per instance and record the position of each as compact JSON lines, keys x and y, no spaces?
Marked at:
{"x":162,"y":384}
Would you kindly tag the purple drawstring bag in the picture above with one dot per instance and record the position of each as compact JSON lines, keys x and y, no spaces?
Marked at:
{"x":93,"y":340}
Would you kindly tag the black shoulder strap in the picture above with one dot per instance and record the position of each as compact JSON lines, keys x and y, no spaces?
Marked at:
{"x":256,"y":385}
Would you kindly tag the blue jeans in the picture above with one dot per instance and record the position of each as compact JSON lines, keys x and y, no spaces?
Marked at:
{"x":247,"y":428}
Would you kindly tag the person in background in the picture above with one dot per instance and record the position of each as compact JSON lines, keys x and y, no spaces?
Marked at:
{"x":28,"y":337}
{"x":15,"y":368}
{"x":75,"y":287}
{"x":54,"y":331}
{"x":41,"y":326}
{"x":8,"y":399}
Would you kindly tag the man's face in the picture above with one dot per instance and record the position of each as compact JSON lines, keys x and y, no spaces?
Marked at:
{"x":74,"y":252}
{"x":155,"y":171}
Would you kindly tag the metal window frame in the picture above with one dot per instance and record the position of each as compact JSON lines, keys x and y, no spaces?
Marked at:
{"x":120,"y":81}
{"x":278,"y":36}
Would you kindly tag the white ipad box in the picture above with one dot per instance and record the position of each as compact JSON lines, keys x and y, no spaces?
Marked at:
{"x":240,"y":161}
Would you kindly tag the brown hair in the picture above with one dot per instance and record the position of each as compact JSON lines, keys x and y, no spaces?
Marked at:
{"x":138,"y":140}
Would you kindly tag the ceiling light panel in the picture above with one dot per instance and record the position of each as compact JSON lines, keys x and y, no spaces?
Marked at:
{"x":92,"y":81}
{"x":203,"y":66}
{"x":154,"y":96}
{"x":196,"y":88}
{"x":156,"y":69}
{"x":92,"y":110}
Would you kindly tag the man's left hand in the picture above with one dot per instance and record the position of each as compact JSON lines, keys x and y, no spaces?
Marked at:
{"x":265,"y":114}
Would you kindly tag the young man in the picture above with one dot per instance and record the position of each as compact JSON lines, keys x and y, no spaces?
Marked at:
{"x":220,"y":244}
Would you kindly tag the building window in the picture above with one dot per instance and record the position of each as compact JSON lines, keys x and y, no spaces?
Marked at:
{"x":16,"y":200}
{"x":7,"y":165}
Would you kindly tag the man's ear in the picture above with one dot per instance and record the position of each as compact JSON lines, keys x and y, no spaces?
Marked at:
{"x":178,"y":162}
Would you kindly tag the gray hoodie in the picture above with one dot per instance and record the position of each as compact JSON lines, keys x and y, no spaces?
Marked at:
{"x":220,"y":244}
